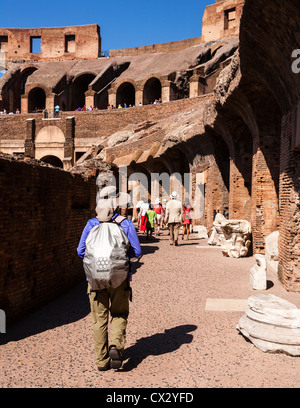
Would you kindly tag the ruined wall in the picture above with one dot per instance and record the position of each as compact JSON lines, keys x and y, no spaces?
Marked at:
{"x":43,"y":213}
{"x":222,"y":20}
{"x":59,"y":43}
{"x":90,"y":127}
{"x":163,"y":47}
{"x":289,"y":238}
{"x":267,"y":42}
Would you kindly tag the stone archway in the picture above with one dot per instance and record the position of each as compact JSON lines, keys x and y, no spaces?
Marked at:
{"x":152,"y":91}
{"x":24,"y":74}
{"x":53,"y":160}
{"x":36,"y":100}
{"x":79,"y":87}
{"x":50,"y":142}
{"x":126,"y":94}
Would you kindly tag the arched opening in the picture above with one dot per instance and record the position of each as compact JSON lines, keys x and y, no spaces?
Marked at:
{"x":126,"y":95}
{"x":152,"y":91}
{"x":24,"y":76}
{"x":53,"y":160}
{"x":36,"y":100}
{"x":80,"y":86}
{"x":2,"y":71}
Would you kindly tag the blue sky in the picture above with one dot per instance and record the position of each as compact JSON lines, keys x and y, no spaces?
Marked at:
{"x":123,"y":24}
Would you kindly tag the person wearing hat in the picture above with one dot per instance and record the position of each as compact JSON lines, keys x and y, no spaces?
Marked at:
{"x":159,"y":212}
{"x":164,"y":206}
{"x":174,"y":215}
{"x":115,"y":301}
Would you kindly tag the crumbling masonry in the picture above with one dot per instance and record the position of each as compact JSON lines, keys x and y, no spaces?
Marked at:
{"x":228,"y":115}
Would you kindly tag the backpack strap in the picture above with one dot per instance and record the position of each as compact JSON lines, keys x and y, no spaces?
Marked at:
{"x":119,"y":219}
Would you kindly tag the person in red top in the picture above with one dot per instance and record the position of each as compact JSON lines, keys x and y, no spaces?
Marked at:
{"x":187,"y":220}
{"x":159,"y":211}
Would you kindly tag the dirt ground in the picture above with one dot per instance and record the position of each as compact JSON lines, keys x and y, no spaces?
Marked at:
{"x":172,"y":340}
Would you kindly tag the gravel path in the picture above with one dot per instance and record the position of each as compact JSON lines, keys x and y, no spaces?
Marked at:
{"x":172,"y":341}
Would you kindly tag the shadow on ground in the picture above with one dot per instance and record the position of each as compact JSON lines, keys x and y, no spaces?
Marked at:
{"x":160,"y":343}
{"x":68,"y":308}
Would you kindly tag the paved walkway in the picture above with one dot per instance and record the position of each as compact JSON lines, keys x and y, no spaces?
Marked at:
{"x":173,"y":340}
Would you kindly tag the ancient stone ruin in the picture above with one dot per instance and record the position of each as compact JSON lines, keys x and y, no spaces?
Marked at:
{"x":258,"y":273}
{"x":217,"y":116}
{"x":234,"y":236}
{"x":272,"y":324}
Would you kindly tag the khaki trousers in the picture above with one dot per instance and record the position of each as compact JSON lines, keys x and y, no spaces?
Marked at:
{"x":115,"y":301}
{"x":174,"y":231}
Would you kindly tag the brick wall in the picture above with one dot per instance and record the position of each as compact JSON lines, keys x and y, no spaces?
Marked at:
{"x":96,"y":124}
{"x":43,"y":213}
{"x":163,"y":47}
{"x":264,"y":209}
{"x":86,"y":43}
{"x":289,"y":238}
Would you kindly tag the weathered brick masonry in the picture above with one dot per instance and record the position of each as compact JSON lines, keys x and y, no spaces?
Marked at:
{"x":289,"y":239}
{"x":43,"y":212}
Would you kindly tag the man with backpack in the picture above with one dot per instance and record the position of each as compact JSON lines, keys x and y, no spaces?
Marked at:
{"x":107,"y":244}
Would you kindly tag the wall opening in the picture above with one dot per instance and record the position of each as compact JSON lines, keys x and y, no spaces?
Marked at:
{"x":78,"y":155}
{"x":24,"y":76}
{"x":70,"y":45}
{"x":35,"y":45}
{"x":53,"y":160}
{"x":229,"y":20}
{"x":152,"y":91}
{"x":3,"y":42}
{"x":202,"y":86}
{"x":36,"y":100}
{"x":2,"y":71}
{"x":80,"y":86}
{"x":126,"y":94}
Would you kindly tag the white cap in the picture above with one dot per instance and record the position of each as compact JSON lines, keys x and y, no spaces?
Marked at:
{"x":105,"y":209}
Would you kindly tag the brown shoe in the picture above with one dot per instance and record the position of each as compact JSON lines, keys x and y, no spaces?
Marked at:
{"x":115,"y":358}
{"x":176,"y":243}
{"x":105,"y":368}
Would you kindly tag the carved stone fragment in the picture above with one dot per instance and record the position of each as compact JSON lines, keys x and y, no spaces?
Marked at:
{"x":258,"y":273}
{"x":272,"y":324}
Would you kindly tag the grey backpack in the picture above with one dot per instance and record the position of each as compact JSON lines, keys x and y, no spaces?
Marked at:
{"x":106,"y":263}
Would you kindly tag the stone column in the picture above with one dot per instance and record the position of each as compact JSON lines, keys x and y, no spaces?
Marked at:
{"x":239,"y":196}
{"x":138,"y":97}
{"x":194,"y":86}
{"x":90,"y":98}
{"x":50,"y":102}
{"x":165,"y":90}
{"x":264,"y":211}
{"x":194,"y":81}
{"x":24,"y":104}
{"x":69,"y":142}
{"x":139,"y":93}
{"x":30,"y":138}
{"x":112,"y":97}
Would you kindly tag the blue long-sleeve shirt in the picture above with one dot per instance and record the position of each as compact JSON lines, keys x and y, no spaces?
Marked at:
{"x":135,"y":250}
